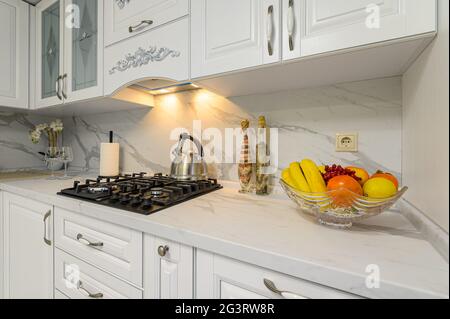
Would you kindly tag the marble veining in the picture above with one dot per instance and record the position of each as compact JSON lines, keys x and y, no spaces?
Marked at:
{"x":307,"y":120}
{"x":16,"y":149}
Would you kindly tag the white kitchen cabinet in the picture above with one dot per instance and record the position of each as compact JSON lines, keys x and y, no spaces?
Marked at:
{"x":83,"y":53}
{"x":224,"y":278}
{"x":159,"y":53}
{"x":125,"y":18}
{"x":168,"y":269}
{"x":79,"y":280}
{"x":329,"y":25}
{"x":28,"y":249}
{"x":69,"y":51}
{"x":59,"y":295}
{"x":111,"y":247}
{"x":233,"y":35}
{"x":49,"y":52}
{"x":14,"y":55}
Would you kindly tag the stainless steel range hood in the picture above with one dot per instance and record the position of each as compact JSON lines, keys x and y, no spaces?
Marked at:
{"x":159,"y":87}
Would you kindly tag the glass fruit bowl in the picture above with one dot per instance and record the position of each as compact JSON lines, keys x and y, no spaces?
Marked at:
{"x":340,"y":208}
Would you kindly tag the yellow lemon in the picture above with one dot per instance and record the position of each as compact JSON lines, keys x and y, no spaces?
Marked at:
{"x":379,"y":188}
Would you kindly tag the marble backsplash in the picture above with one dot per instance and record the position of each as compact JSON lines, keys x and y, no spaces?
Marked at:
{"x":16,"y":150}
{"x":307,"y":122}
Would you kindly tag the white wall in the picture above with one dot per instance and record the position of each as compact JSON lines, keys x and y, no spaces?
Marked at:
{"x":426,"y":127}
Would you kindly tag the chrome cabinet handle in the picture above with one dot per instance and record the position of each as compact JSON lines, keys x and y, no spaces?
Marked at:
{"x":144,"y":23}
{"x":162,"y":250}
{"x":58,"y":87}
{"x":87,"y":242}
{"x":80,"y":287}
{"x":64,"y":82}
{"x":291,"y":24}
{"x":46,"y":216}
{"x":270,"y":29}
{"x":285,"y":294}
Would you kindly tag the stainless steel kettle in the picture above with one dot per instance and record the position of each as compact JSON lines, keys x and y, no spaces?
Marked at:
{"x":188,"y":166}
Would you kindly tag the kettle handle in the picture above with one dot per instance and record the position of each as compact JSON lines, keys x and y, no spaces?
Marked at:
{"x":184,"y":137}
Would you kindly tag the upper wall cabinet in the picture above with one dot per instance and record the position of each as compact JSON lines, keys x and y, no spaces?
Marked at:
{"x":14,"y":35}
{"x":233,"y":34}
{"x":69,"y":45}
{"x":49,"y":55}
{"x":318,"y":26}
{"x":126,"y":18}
{"x":159,"y":53}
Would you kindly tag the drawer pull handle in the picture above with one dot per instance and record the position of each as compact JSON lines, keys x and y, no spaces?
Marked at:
{"x":162,"y":250}
{"x":270,"y":30}
{"x":291,"y":24}
{"x":285,"y":294}
{"x":46,"y":216}
{"x":87,"y":242}
{"x":86,"y":292}
{"x":144,"y":23}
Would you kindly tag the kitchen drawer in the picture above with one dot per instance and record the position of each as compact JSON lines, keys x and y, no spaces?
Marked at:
{"x":79,"y":280}
{"x":108,"y":246}
{"x":160,"y":53}
{"x":224,"y":278}
{"x":120,"y":15}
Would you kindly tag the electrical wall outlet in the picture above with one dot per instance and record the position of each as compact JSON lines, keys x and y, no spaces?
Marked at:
{"x":347,"y":142}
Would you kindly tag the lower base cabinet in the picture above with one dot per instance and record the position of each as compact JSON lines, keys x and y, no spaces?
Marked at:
{"x":28,"y":248}
{"x":79,"y":280}
{"x":59,"y":295}
{"x":93,"y":259}
{"x":224,"y":278}
{"x":168,"y":269}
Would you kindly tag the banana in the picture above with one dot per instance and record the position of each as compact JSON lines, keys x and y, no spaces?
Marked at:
{"x":286,"y":177}
{"x":313,"y":176}
{"x":299,"y":179}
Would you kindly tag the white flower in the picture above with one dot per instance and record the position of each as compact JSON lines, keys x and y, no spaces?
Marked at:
{"x":57,"y":126}
{"x":35,"y":136}
{"x":41,"y":127}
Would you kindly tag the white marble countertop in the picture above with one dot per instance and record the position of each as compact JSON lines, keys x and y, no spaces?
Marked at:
{"x":272,"y":233}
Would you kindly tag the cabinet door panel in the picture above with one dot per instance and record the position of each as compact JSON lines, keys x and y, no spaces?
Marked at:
{"x":339,"y":24}
{"x":230,"y":291}
{"x":49,"y":57}
{"x":84,"y":52}
{"x":169,"y":276}
{"x":14,"y":53}
{"x":223,"y":278}
{"x":159,"y":53}
{"x":120,"y":15}
{"x":79,"y":280}
{"x":225,"y":35}
{"x":28,"y":258}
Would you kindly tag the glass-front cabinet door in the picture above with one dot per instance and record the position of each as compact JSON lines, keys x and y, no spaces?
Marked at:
{"x":69,"y":42}
{"x":49,"y":56}
{"x":83,"y":76}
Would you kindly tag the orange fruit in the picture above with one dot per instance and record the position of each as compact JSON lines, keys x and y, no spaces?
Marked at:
{"x":343,"y":190}
{"x":361,"y":173}
{"x":388,"y":176}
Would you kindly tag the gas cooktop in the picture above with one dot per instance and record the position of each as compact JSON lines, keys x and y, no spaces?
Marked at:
{"x":138,"y":193}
